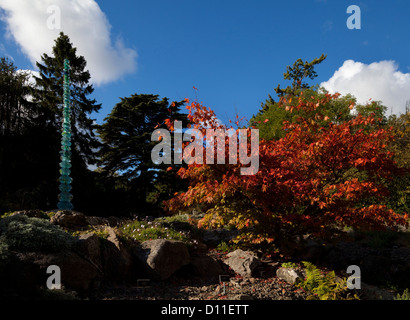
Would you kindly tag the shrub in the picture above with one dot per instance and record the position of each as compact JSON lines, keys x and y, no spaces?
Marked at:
{"x":325,"y":286}
{"x":404,"y":296}
{"x":29,"y":213}
{"x":33,"y":234}
{"x":4,"y":253}
{"x":225,"y":247}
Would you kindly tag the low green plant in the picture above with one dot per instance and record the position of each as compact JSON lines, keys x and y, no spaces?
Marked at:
{"x":173,"y":218}
{"x":101,"y":233}
{"x":225,"y":247}
{"x":24,"y":233}
{"x":404,"y":296}
{"x":39,"y":214}
{"x":180,"y":222}
{"x":289,"y":265}
{"x":146,"y":230}
{"x":6,"y":214}
{"x":4,"y":253}
{"x":325,"y":285}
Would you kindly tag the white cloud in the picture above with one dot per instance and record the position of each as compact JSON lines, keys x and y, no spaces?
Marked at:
{"x":28,"y":23}
{"x":380,"y":81}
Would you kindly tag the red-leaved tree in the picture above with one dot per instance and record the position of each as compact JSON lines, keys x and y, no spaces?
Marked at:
{"x":319,"y":178}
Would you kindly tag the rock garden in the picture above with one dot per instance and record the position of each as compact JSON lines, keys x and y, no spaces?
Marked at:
{"x":170,"y":258}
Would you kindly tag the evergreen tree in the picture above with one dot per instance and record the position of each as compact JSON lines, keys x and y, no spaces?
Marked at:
{"x":269,"y":120}
{"x":28,"y":150}
{"x":126,"y":150}
{"x":15,"y":107}
{"x":49,"y":95}
{"x":297,"y":73}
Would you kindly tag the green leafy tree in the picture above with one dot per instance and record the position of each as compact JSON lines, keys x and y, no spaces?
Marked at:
{"x":399,"y":186}
{"x":269,"y":120}
{"x":375,"y":108}
{"x":126,"y":150}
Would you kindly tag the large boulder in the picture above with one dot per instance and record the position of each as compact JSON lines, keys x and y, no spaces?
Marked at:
{"x":96,"y":221}
{"x":27,"y":271}
{"x":242,"y":262}
{"x":117,"y":261}
{"x":69,"y":219}
{"x":77,"y":273}
{"x":161,"y":258}
{"x":88,"y":246}
{"x":207,"y":267}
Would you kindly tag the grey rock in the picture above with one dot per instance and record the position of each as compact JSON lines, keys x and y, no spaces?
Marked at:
{"x":88,"y":245}
{"x":206,"y":266}
{"x":96,"y":221}
{"x":77,"y":273}
{"x":161,"y":258}
{"x":290,"y":275}
{"x":117,"y":261}
{"x":243,"y":262}
{"x":69,"y":219}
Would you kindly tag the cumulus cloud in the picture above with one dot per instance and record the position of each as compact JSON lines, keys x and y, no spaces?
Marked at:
{"x":35,"y":24}
{"x":379,"y":81}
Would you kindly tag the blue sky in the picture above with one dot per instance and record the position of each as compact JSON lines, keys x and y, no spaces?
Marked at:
{"x":234,"y":52}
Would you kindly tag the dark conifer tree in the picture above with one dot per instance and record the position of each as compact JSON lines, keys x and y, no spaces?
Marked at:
{"x":49,"y":95}
{"x":126,"y":150}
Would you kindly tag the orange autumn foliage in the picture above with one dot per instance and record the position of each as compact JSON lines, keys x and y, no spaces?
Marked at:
{"x":312,"y":180}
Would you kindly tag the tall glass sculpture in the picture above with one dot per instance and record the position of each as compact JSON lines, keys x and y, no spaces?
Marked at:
{"x":65,"y":196}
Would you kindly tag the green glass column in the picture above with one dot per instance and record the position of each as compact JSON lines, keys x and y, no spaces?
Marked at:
{"x":65,"y":196}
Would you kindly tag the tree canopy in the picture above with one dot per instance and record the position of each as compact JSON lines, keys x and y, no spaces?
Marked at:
{"x":126,"y":137}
